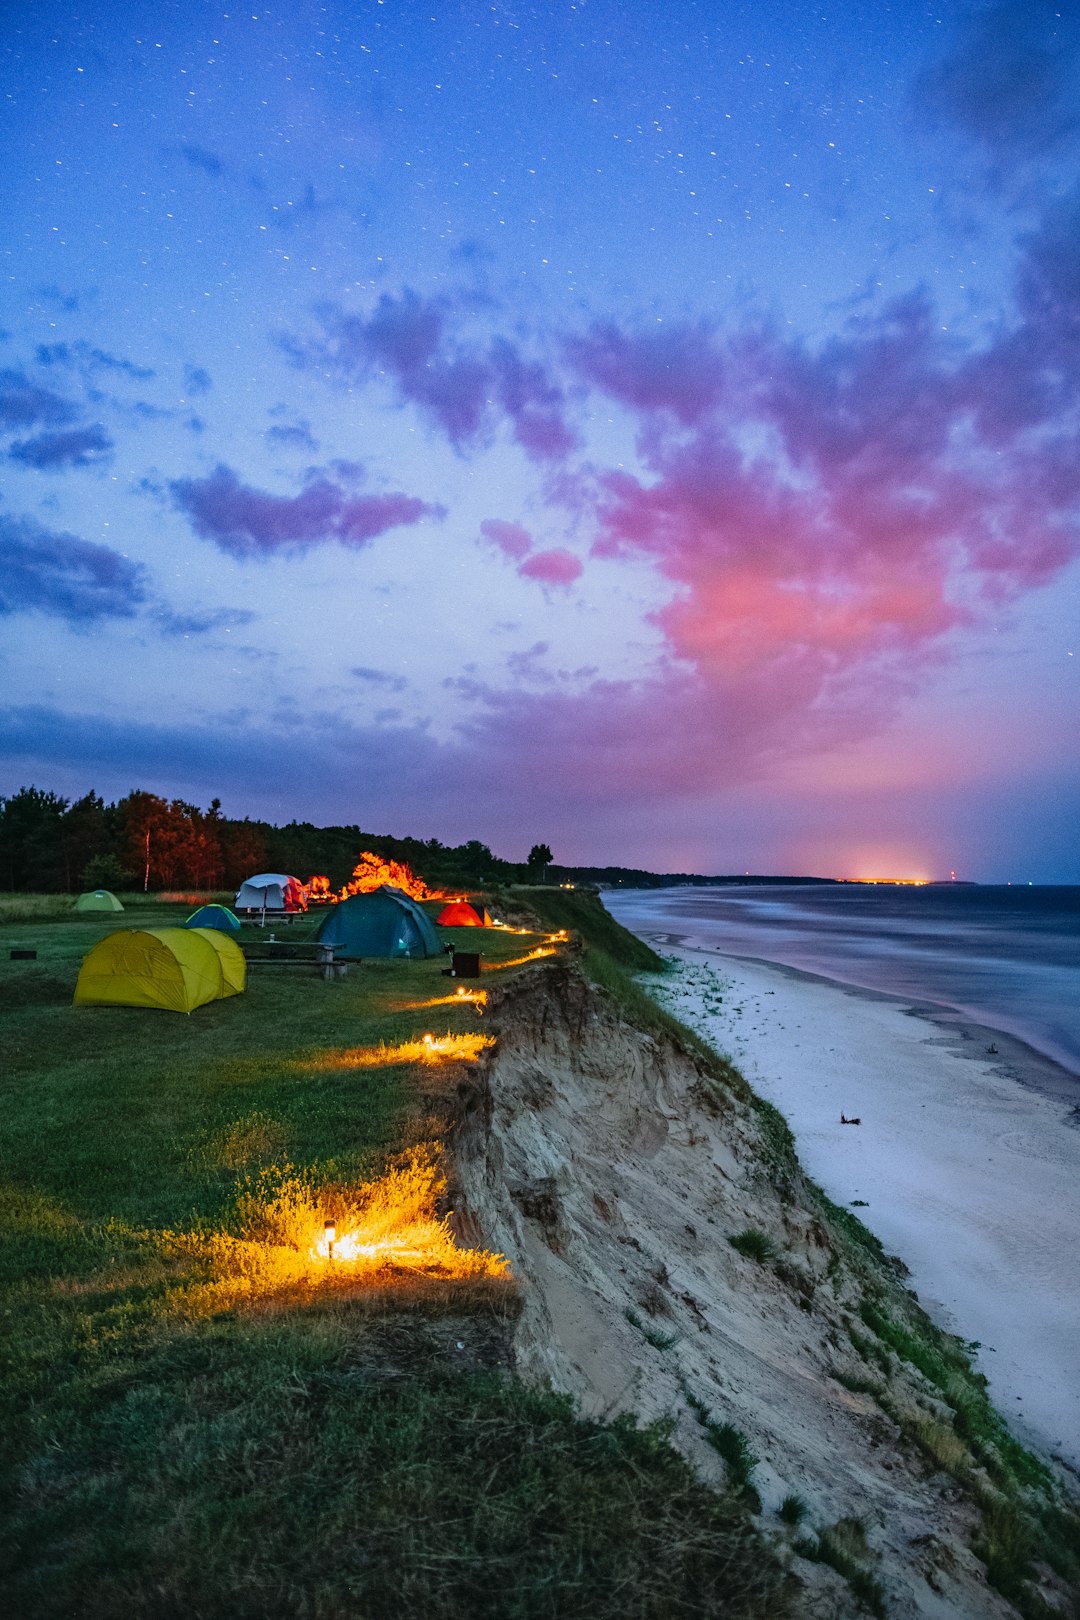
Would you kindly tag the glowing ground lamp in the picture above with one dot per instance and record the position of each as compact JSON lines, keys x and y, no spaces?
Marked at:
{"x":330,"y":1234}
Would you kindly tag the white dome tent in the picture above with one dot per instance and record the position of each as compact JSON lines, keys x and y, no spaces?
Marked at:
{"x":271,"y":893}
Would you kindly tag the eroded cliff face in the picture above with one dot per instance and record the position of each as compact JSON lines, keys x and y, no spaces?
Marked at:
{"x":608,"y":1169}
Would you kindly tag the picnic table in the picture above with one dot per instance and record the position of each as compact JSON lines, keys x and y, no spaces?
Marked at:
{"x":329,"y":961}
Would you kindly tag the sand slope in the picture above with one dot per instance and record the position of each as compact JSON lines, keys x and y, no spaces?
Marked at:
{"x":599,"y":1161}
{"x":968,"y":1174}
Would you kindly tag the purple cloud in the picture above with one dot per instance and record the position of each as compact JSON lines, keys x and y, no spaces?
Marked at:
{"x":677,"y":369}
{"x":247,"y":522}
{"x":462,"y":389}
{"x":59,"y":574}
{"x":78,"y":447}
{"x":23,"y":403}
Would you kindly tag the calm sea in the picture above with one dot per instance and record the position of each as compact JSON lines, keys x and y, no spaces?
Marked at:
{"x":1006,"y":957}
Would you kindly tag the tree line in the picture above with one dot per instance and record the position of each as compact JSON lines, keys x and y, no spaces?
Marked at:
{"x":49,"y":844}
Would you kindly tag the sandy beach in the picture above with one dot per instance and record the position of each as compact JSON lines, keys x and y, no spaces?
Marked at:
{"x":965,"y":1163}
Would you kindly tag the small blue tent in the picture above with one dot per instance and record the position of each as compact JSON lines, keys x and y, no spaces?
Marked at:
{"x":219,"y":917}
{"x":383,"y":923}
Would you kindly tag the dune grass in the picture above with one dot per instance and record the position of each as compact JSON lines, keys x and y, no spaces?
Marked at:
{"x":203,"y":1416}
{"x":611,"y":957}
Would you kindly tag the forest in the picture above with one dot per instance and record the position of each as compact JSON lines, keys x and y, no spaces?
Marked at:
{"x":49,"y":844}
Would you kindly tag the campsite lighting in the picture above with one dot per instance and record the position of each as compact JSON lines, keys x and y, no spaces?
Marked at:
{"x":330,"y":1237}
{"x":432,"y":1049}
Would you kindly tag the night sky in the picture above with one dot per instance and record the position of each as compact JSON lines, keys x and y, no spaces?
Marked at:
{"x":648,"y":428}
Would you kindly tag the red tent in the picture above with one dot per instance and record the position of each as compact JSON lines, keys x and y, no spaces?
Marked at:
{"x":459,"y":914}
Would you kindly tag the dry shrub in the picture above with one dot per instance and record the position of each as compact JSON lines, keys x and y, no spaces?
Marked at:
{"x":941,"y":1443}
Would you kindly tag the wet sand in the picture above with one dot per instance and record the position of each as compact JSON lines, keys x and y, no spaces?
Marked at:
{"x":965,"y":1163}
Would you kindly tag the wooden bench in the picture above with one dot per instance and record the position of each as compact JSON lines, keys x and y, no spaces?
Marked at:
{"x":329,"y":961}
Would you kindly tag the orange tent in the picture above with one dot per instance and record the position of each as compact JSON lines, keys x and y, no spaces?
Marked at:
{"x":459,"y":914}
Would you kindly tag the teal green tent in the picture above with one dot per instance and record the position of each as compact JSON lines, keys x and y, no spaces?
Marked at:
{"x":214,"y":917}
{"x":383,"y":923}
{"x":98,"y":900}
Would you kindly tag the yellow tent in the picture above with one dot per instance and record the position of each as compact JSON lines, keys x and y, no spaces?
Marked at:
{"x":231,"y":957}
{"x":173,"y":968}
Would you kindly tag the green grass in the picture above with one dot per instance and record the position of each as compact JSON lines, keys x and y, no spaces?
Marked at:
{"x":944,"y":1363}
{"x":651,"y":1335}
{"x":843,"y":1547}
{"x":171,"y":1450}
{"x":610,"y":959}
{"x":729,"y":1442}
{"x":582,"y":911}
{"x":278,"y":1468}
{"x":753,"y":1244}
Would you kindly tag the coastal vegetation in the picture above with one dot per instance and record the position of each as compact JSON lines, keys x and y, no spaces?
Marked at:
{"x":201,"y":1418}
{"x":204,"y":1417}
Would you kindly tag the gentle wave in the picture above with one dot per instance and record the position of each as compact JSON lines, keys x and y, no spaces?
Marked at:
{"x":1006,"y":957}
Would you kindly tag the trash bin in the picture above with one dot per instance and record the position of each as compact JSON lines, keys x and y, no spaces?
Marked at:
{"x":466,"y":965}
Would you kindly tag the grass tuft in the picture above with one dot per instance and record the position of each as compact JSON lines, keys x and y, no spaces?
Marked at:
{"x":843,"y":1547}
{"x":754,"y":1244}
{"x":653,"y":1336}
{"x":726,"y":1439}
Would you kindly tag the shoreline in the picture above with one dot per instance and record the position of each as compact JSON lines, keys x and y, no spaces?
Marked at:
{"x":965,"y":1162}
{"x":1016,"y":1058}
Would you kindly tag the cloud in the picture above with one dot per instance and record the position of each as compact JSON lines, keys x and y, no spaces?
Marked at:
{"x":464,"y":389}
{"x":533,"y":403}
{"x":64,"y":576}
{"x":196,"y":380}
{"x":172,"y":623}
{"x":23,"y":403}
{"x":677,"y":369}
{"x":292,"y":433}
{"x":379,"y":677}
{"x":511,"y":538}
{"x":247,"y":522}
{"x":555,"y":567}
{"x":83,"y":356}
{"x":1010,"y":82}
{"x":827,"y":517}
{"x":200,"y":157}
{"x":77,"y":447}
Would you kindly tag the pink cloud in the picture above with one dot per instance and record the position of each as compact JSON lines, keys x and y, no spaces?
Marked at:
{"x":555,"y":567}
{"x":511,"y":538}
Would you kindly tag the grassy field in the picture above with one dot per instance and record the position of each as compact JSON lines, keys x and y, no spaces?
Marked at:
{"x":202,"y":1415}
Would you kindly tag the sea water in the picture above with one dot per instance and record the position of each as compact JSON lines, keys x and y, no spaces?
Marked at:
{"x":1007,"y":957}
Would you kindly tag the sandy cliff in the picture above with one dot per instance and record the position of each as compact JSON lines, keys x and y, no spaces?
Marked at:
{"x":612,"y":1170}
